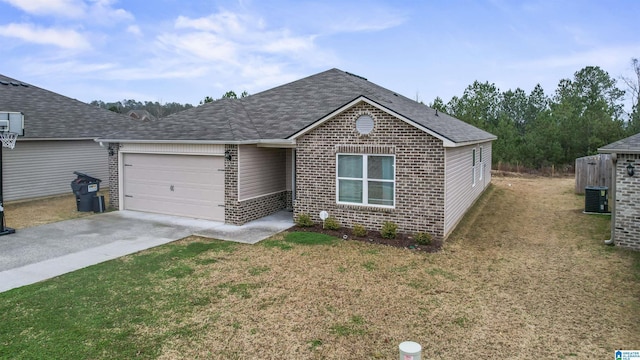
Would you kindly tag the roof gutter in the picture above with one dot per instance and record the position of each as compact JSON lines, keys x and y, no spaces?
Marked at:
{"x":618,"y":151}
{"x":259,"y":142}
{"x":53,"y":139}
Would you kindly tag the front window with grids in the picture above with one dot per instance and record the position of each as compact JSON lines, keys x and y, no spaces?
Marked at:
{"x":366,"y":180}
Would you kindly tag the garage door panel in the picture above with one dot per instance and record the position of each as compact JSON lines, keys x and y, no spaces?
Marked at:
{"x":182,"y":185}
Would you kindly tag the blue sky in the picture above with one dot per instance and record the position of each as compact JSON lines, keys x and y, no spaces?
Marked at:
{"x":182,"y":51}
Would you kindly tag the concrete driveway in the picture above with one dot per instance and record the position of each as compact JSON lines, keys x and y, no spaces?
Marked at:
{"x":42,"y":252}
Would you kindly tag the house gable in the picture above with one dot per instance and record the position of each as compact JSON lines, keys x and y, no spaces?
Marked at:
{"x":419,"y":171}
{"x":362,"y":99}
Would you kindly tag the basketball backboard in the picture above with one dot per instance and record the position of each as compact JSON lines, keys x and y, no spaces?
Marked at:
{"x":12,"y":121}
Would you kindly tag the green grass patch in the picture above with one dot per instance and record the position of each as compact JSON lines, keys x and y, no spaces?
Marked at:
{"x":370,"y":266}
{"x":288,"y":241}
{"x":276,"y":243}
{"x":315,"y":343}
{"x":310,"y":238}
{"x":96,"y":312}
{"x":356,"y":326}
{"x":242,"y":290}
{"x":440,"y":272}
{"x":257,"y":270}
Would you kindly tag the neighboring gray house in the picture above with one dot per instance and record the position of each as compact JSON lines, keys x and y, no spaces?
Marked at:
{"x":58,"y":140}
{"x":332,"y":141}
{"x":625,"y":191}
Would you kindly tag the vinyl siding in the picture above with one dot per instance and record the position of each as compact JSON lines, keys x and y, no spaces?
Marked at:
{"x":261,"y":171}
{"x":44,"y":168}
{"x":289,"y":169}
{"x":460,"y":194}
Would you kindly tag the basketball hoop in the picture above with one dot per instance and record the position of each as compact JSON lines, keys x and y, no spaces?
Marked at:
{"x":8,"y":139}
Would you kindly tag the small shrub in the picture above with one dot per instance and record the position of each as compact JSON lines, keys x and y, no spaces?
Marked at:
{"x":331,"y":223}
{"x":304,"y":220}
{"x":359,"y":230}
{"x":388,"y":230}
{"x":422,"y":238}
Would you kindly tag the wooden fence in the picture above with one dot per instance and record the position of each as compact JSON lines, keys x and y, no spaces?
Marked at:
{"x":593,"y":170}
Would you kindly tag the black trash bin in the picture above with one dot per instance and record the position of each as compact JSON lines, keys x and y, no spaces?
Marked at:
{"x":85,"y":188}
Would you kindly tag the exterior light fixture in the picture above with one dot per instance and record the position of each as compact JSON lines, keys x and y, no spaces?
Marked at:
{"x":227,"y":155}
{"x":631,"y":169}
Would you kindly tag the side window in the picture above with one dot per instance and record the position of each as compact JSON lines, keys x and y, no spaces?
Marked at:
{"x":473,"y":167}
{"x":481,"y":167}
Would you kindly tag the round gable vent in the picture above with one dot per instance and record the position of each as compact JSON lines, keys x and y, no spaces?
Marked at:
{"x":364,"y":124}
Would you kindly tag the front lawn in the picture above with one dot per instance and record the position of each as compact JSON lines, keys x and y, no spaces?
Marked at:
{"x":525,"y":276}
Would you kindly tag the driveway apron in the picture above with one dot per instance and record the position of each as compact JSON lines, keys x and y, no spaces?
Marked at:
{"x":42,"y":252}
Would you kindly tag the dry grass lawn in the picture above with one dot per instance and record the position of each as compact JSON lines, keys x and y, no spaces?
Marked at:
{"x":21,"y":214}
{"x":526,"y":275}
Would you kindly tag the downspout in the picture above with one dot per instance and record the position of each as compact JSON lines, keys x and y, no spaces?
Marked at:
{"x":614,"y":160}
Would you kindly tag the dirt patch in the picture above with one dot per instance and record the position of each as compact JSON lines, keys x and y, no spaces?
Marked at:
{"x":402,"y":240}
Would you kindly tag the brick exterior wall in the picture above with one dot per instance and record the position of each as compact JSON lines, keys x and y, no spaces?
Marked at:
{"x":240,"y":212}
{"x":114,"y":186}
{"x":627,"y":207}
{"x":288,"y":200}
{"x":419,"y":186}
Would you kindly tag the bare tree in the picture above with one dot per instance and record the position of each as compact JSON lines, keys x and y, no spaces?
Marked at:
{"x":633,"y":125}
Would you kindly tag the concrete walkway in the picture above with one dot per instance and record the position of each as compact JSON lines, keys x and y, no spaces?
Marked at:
{"x":42,"y":252}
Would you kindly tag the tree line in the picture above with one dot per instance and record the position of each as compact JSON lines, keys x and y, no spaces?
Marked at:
{"x":536,"y":130}
{"x":157,"y":109}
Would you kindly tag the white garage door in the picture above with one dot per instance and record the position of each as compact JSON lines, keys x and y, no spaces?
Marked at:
{"x":183,"y":185}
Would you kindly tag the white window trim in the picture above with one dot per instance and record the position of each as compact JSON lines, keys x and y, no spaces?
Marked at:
{"x":365,"y":182}
{"x":473,"y":166}
{"x":480,"y":163}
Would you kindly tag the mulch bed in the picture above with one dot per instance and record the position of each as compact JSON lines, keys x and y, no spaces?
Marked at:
{"x":402,"y":240}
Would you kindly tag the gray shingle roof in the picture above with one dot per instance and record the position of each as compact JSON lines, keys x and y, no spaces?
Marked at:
{"x":626,"y":145}
{"x":51,"y":115}
{"x":281,"y":112}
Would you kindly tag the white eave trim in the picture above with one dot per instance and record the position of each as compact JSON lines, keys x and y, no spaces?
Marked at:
{"x":276,"y":143}
{"x":618,"y":151}
{"x":20,"y":138}
{"x":445,"y":141}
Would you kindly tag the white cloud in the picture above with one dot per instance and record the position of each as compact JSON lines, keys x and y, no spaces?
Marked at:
{"x":224,"y":22}
{"x":103,"y":12}
{"x":63,"y":38}
{"x":200,"y":45}
{"x":134,"y":29}
{"x":234,"y":37}
{"x":97,"y":11}
{"x":605,"y":57}
{"x":51,"y":66}
{"x":63,"y":8}
{"x":282,"y":43}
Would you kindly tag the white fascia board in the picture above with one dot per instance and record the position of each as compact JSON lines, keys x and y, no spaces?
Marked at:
{"x":467,"y":143}
{"x":445,"y":141}
{"x":618,"y":151}
{"x":20,"y":138}
{"x":278,"y":143}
